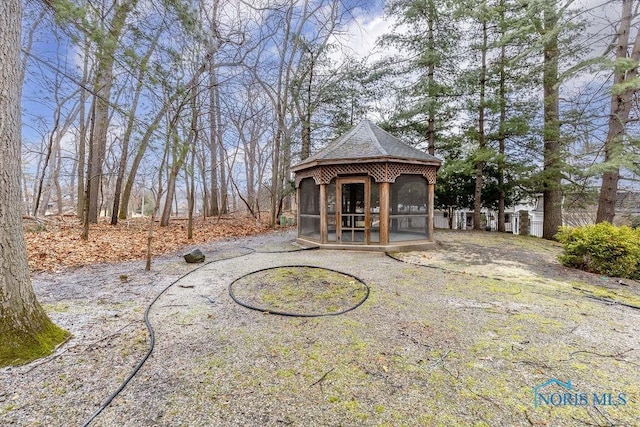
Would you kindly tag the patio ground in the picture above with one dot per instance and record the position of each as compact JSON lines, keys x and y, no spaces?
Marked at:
{"x":460,"y":335}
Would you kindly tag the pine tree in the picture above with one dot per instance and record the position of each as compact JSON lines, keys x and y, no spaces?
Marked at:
{"x":424,"y":71}
{"x":625,"y":86}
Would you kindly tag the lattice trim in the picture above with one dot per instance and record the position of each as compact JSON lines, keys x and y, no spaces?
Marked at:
{"x":397,"y":169}
{"x":375,"y":170}
{"x":381,"y":172}
{"x":309,"y":173}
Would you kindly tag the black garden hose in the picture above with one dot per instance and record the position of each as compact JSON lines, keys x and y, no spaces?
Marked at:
{"x":152,"y":336}
{"x":390,"y":255}
{"x":284,"y":313}
{"x":288,"y":251}
{"x":151,"y":331}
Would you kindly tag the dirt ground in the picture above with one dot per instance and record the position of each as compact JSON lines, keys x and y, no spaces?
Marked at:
{"x":459,"y":335}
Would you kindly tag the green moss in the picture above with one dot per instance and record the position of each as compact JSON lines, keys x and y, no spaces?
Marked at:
{"x":285,"y":373}
{"x":19,"y":347}
{"x":7,"y":408}
{"x":300,"y":289}
{"x":351,"y":405}
{"x":59,"y":307}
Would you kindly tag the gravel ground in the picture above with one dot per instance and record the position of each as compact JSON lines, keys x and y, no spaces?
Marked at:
{"x":459,"y":335}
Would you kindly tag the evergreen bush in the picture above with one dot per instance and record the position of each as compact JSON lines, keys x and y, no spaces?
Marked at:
{"x":602,"y":248}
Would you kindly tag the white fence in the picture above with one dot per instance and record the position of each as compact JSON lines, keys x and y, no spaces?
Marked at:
{"x":535,"y":228}
{"x":512,"y":225}
{"x":439,"y":221}
{"x":535,"y":224}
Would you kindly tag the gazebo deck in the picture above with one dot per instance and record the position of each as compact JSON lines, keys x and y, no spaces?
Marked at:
{"x":415,"y":245}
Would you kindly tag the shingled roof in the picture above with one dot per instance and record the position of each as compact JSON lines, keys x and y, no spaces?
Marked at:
{"x":366,"y":142}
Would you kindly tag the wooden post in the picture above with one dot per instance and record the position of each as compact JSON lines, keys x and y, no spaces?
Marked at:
{"x":298,"y":211}
{"x":430,"y":197}
{"x":323,"y":213}
{"x":384,"y":213}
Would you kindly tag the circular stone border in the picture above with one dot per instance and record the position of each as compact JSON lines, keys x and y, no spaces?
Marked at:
{"x":284,"y":313}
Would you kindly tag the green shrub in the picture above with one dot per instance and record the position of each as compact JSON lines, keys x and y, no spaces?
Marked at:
{"x":602,"y":248}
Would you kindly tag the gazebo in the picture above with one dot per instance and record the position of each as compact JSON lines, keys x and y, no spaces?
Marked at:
{"x":366,"y":190}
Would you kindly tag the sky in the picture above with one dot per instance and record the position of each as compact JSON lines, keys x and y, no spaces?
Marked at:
{"x":361,"y":34}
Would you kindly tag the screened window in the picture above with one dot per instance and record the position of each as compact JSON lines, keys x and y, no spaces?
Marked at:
{"x":309,"y":209}
{"x":408,"y":214}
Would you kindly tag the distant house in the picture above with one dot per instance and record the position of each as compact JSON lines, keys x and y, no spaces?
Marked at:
{"x":576,"y":212}
{"x":463,"y":218}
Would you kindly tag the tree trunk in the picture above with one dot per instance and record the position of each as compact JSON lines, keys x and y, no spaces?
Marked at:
{"x":26,"y":332}
{"x":168,"y":202}
{"x":552,"y":187}
{"x":98,"y":142}
{"x":102,"y":87}
{"x":85,"y":208}
{"x":179,"y":152}
{"x":47,"y":159}
{"x":286,"y":174}
{"x":142,"y":148}
{"x":202,"y":165}
{"x":620,"y":108}
{"x":250,"y":161}
{"x":431,"y":82}
{"x":222,"y":152}
{"x":191,"y":173}
{"x":155,"y":208}
{"x":82,"y":136}
{"x":502,"y":123}
{"x":276,"y":188}
{"x":26,"y":208}
{"x":305,"y":116}
{"x":129,"y":130}
{"x":56,"y":177}
{"x":191,"y":190}
{"x":213,"y":141}
{"x":477,"y":199}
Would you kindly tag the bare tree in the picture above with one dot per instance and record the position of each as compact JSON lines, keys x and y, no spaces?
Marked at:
{"x":178,"y":151}
{"x":103,"y":83}
{"x":60,"y":128}
{"x":131,"y":122}
{"x":283,"y":27}
{"x":250,"y":118}
{"x":215,"y":138}
{"x":190,"y":175}
{"x":159,"y":192}
{"x":81,"y":140}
